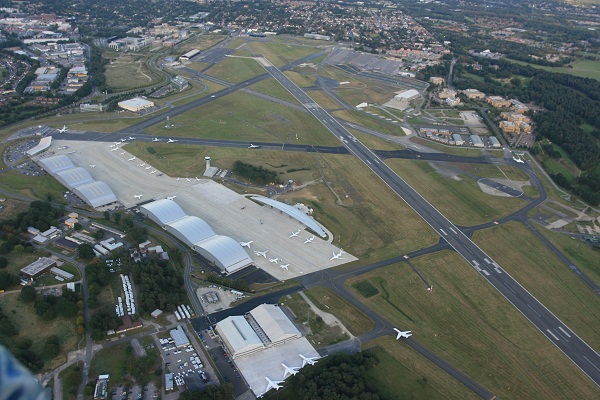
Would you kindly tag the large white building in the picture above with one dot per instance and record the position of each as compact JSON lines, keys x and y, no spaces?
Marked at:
{"x":225,"y":252}
{"x":93,"y":192}
{"x":238,"y":336}
{"x":136,"y":104}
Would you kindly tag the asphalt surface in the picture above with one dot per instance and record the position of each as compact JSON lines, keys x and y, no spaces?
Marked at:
{"x":579,"y":352}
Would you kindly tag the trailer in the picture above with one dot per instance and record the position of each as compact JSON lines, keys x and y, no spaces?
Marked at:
{"x":177,"y":316}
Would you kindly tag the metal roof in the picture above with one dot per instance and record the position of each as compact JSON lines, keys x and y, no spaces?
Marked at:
{"x":294,"y":213}
{"x":41,"y":146}
{"x":96,"y":193}
{"x":276,"y":325}
{"x":239,"y":335}
{"x":56,"y":164}
{"x":191,"y":230}
{"x":228,"y":254}
{"x":163,"y":211}
{"x":74,"y":177}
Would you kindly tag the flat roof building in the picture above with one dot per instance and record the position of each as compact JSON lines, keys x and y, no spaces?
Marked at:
{"x":275,"y":324}
{"x":136,"y":104}
{"x":238,"y":336}
{"x":43,"y":145}
{"x":179,"y":337}
{"x":38,"y":267}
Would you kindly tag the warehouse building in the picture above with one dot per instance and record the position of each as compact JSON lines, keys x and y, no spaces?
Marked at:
{"x":238,"y":336}
{"x":458,"y":140}
{"x":494,"y":142}
{"x":223,"y":251}
{"x":93,"y":192}
{"x":136,"y":104}
{"x":37,"y":268}
{"x":477,"y":142}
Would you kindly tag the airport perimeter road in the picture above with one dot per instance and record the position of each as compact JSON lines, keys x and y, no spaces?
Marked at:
{"x":579,"y":352}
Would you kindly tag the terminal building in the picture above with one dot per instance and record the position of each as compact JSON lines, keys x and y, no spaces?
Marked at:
{"x":221,"y":250}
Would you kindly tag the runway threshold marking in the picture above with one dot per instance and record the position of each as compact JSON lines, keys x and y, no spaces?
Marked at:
{"x":486,"y":273}
{"x":553,"y":335}
{"x":441,"y":230}
{"x":453,"y":231}
{"x":563,"y":331}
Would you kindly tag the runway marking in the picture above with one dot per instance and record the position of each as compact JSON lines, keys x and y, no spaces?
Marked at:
{"x":509,"y":288}
{"x":497,"y":268}
{"x":563,"y":331}
{"x":487,"y":261}
{"x":486,"y":273}
{"x":453,"y":231}
{"x":441,"y":230}
{"x":593,"y":365}
{"x":553,"y":335}
{"x":538,"y":314}
{"x":475,"y":264}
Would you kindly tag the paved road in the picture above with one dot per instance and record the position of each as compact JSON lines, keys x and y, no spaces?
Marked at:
{"x":579,"y":352}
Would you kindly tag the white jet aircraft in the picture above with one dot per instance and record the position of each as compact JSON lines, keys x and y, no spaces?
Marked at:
{"x":131,"y":138}
{"x":308,"y":360}
{"x":122,"y":154}
{"x":294,"y":234}
{"x":261,"y":253}
{"x":285,"y":266}
{"x":122,"y":140}
{"x":289,"y":370}
{"x":274,"y":260}
{"x":115,"y":149}
{"x":253,"y":146}
{"x":153,"y":172}
{"x":171,"y":197}
{"x":148,"y":167}
{"x":112,"y":145}
{"x":273,"y":385}
{"x":156,"y":139}
{"x":197,"y":178}
{"x":171,"y":140}
{"x":131,"y":159}
{"x":337,"y":256}
{"x":402,"y":334}
{"x":246,"y":244}
{"x":518,"y":160}
{"x":92,"y":165}
{"x":188,"y":179}
{"x":309,"y":240}
{"x":64,"y":129}
{"x":138,"y":196}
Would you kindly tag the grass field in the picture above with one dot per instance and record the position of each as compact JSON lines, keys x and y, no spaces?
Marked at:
{"x":239,"y":116}
{"x":323,"y":99}
{"x":458,"y":151}
{"x":583,"y":68}
{"x":461,"y":201}
{"x":353,"y":319}
{"x":301,"y":80}
{"x":113,"y":361}
{"x":320,"y":334}
{"x":37,"y":329}
{"x":469,"y":324}
{"x":536,"y":268}
{"x":402,"y":370}
{"x":236,"y":70}
{"x":494,"y":171}
{"x":374,"y":142}
{"x":128,"y":70}
{"x":70,"y":378}
{"x":199,"y":42}
{"x":279,"y":53}
{"x":582,"y":254}
{"x":39,"y":187}
{"x":360,"y":118}
{"x":273,"y":88}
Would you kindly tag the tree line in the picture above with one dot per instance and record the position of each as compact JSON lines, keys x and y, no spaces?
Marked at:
{"x":257,"y":175}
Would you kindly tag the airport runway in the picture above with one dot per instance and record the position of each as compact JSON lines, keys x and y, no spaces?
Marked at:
{"x":579,"y":352}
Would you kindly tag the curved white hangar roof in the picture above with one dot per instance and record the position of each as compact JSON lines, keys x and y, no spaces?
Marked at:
{"x":225,"y":252}
{"x":294,"y":213}
{"x":93,"y":192}
{"x":41,"y":146}
{"x":56,"y":164}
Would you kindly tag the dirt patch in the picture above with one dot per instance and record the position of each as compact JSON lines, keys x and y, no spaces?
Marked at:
{"x":517,"y":185}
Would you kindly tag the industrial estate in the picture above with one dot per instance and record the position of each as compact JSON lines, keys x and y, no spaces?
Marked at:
{"x":263,"y":210}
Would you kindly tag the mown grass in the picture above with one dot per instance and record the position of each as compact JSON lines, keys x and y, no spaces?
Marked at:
{"x":39,"y":187}
{"x":299,"y":79}
{"x":455,"y":150}
{"x":126,"y":71}
{"x":239,"y":116}
{"x":273,"y":88}
{"x":373,"y":142}
{"x":403,"y":372}
{"x":461,"y":201}
{"x":583,"y":68}
{"x":280,"y":53}
{"x":353,"y":319}
{"x":70,"y":378}
{"x":535,"y":267}
{"x":200,"y":42}
{"x":323,"y":99}
{"x":469,"y":324}
{"x":378,"y":124}
{"x":236,"y":70}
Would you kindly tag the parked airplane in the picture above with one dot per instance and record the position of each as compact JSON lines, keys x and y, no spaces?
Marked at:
{"x":274,"y":260}
{"x":92,"y":165}
{"x":122,"y":154}
{"x":246,"y":244}
{"x":262,"y":253}
{"x":197,"y":178}
{"x":138,"y":196}
{"x":131,"y":138}
{"x":131,"y":159}
{"x":122,"y":140}
{"x":153,"y":172}
{"x":178,"y":179}
{"x":171,"y":140}
{"x":295,"y":233}
{"x":401,"y":334}
{"x":187,"y":179}
{"x":308,"y":360}
{"x":337,"y":256}
{"x":156,"y":139}
{"x":285,"y":266}
{"x":518,"y":160}
{"x":289,"y":370}
{"x":253,"y":146}
{"x":309,"y":240}
{"x":64,"y":129}
{"x":112,"y":145}
{"x":115,"y":149}
{"x":148,"y":167}
{"x":273,"y":385}
{"x":171,"y":197}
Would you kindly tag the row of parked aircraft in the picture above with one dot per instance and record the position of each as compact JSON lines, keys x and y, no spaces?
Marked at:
{"x":288,"y":371}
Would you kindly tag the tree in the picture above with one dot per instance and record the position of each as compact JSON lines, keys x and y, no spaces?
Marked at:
{"x":28,"y":294}
{"x":99,"y":234}
{"x":106,"y":215}
{"x":51,"y":347}
{"x":3,"y":262}
{"x":85,"y":251}
{"x":77,"y":226}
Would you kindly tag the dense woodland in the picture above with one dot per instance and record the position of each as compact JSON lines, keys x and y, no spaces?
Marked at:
{"x":257,"y":175}
{"x":159,"y":286}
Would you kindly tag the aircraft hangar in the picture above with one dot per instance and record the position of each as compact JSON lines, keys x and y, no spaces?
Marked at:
{"x":225,"y":252}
